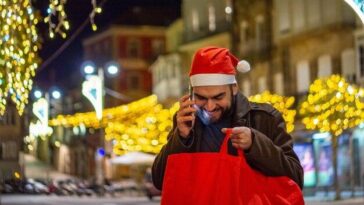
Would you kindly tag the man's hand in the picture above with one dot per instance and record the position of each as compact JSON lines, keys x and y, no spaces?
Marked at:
{"x":241,"y":137}
{"x":185,"y":116}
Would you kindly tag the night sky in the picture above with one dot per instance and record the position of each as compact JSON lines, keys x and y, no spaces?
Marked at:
{"x":68,"y":62}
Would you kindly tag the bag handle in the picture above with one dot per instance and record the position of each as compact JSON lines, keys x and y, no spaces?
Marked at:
{"x":224,"y":146}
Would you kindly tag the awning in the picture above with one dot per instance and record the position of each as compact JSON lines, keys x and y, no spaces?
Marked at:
{"x":133,"y":158}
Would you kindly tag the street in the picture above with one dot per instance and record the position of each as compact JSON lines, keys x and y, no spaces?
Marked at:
{"x":124,"y":200}
{"x":74,"y":200}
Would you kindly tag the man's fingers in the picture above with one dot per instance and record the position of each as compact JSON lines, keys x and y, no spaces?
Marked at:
{"x":186,"y":111}
{"x":184,"y":98}
{"x":186,"y":118}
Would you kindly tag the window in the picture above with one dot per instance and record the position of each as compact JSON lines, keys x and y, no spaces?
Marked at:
{"x":259,"y":31}
{"x":212,"y":18}
{"x":157,"y":47}
{"x":278,"y":83}
{"x":284,"y":20}
{"x":133,"y":48}
{"x":348,"y":64}
{"x":298,"y":7}
{"x":195,"y":21}
{"x":246,"y":87}
{"x":9,"y":150}
{"x":243,"y":32}
{"x":361,"y":61}
{"x":303,"y":76}
{"x":262,"y":84}
{"x":313,"y":13}
{"x":324,"y":66}
{"x":329,"y":13}
{"x":134,"y":82}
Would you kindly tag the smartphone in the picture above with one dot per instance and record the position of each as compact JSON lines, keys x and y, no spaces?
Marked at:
{"x":202,"y":114}
{"x":190,"y":90}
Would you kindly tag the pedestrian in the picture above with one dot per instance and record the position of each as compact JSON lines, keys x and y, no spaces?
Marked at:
{"x":213,"y":106}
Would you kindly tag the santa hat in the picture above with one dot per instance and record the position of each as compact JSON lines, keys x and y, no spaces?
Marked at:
{"x":215,"y":66}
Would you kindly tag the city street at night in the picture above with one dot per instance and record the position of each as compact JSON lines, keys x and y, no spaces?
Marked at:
{"x":181,"y":102}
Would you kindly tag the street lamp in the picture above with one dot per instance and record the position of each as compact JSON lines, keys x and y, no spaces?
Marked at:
{"x":41,"y":111}
{"x":93,"y":88}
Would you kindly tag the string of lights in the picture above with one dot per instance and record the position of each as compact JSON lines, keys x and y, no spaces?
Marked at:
{"x":61,"y":25}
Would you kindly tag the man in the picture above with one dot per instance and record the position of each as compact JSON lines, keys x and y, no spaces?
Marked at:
{"x":215,"y":104}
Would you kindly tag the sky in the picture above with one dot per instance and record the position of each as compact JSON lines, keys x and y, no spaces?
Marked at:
{"x":67,"y":62}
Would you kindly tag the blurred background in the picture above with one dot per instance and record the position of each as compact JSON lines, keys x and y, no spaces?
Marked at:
{"x":88,"y":89}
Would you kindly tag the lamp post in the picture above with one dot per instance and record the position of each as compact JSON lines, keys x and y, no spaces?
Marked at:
{"x":93,"y":88}
{"x":41,"y":109}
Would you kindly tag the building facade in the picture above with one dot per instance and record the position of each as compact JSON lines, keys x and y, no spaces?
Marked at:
{"x":12,"y":132}
{"x":134,"y":48}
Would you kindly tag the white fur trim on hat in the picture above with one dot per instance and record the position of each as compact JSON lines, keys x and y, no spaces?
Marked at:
{"x":211,"y":79}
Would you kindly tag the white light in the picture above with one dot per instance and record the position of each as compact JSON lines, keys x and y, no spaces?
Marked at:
{"x":228,"y":10}
{"x":315,"y":121}
{"x":89,"y":69}
{"x":338,"y":95}
{"x":56,"y":94}
{"x":37,"y":94}
{"x":321,"y":135}
{"x":350,"y":90}
{"x":112,"y":69}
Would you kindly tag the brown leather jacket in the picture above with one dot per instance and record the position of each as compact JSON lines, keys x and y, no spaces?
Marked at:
{"x":271,"y":152}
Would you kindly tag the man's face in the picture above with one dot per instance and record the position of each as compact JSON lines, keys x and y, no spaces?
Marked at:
{"x":215,"y":100}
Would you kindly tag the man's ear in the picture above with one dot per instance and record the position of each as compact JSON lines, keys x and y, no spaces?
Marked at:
{"x":235,"y":88}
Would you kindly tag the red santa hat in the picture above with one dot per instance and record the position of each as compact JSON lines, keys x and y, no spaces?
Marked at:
{"x":215,"y":66}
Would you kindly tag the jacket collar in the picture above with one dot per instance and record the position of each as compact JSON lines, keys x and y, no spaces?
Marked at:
{"x":242,"y":107}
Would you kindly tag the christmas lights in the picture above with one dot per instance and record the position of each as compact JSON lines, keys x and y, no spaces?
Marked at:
{"x":281,"y":103}
{"x":19,"y":47}
{"x":56,"y":10}
{"x":332,"y":106}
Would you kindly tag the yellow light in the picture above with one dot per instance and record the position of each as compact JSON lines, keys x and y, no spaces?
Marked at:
{"x":332,"y":105}
{"x":17,"y":175}
{"x":19,"y":52}
{"x":57,"y":144}
{"x":281,"y":103}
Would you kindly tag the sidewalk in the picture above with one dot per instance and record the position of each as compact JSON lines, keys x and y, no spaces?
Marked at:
{"x":355,"y":201}
{"x":322,"y":198}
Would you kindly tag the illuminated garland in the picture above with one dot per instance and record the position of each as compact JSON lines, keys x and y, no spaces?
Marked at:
{"x":281,"y":103}
{"x":142,"y":125}
{"x":332,"y":106}
{"x":146,"y":133}
{"x":18,"y":52}
{"x":120,"y":113}
{"x":56,"y":10}
{"x":95,"y":10}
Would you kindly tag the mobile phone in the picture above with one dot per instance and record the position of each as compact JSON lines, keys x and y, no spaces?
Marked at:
{"x":190,"y":90}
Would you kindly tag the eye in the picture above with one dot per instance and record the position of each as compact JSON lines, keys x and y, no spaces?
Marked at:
{"x":219,"y":97}
{"x":199,"y":97}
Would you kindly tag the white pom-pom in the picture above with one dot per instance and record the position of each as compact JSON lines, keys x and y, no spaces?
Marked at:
{"x":243,"y":66}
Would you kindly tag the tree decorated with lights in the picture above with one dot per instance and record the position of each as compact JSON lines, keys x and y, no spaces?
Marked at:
{"x":333,"y":105}
{"x":146,"y":133}
{"x":19,"y":45}
{"x":281,"y":103}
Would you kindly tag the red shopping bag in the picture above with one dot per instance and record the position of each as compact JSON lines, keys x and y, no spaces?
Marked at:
{"x":223,"y":179}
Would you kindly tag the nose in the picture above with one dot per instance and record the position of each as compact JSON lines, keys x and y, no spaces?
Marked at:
{"x":210,"y":105}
